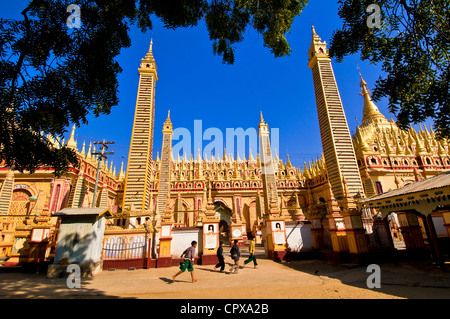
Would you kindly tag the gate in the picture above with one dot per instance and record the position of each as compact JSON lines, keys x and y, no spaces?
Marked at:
{"x":124,"y":250}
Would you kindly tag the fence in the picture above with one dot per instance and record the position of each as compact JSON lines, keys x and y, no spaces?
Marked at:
{"x":124,"y":250}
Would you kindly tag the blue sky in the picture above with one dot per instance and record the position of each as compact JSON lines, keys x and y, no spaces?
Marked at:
{"x":196,"y":85}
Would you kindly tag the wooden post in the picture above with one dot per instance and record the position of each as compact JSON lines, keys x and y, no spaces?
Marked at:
{"x":434,"y":243}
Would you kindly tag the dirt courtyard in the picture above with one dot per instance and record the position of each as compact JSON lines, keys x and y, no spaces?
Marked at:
{"x":305,"y":279}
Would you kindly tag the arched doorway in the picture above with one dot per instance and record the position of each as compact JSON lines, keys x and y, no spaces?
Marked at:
{"x":250,"y":216}
{"x":326,"y":234}
{"x":396,"y":234}
{"x":411,"y":234}
{"x":224,"y":214}
{"x":20,"y":203}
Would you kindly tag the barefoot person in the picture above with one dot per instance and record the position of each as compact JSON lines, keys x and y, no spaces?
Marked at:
{"x":189,"y":255}
{"x":251,"y":250}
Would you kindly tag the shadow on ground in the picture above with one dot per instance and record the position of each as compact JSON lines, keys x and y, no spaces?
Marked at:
{"x":19,"y":285}
{"x":412,"y":279}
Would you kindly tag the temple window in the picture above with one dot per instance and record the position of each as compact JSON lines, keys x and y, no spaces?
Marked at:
{"x":379,"y":187}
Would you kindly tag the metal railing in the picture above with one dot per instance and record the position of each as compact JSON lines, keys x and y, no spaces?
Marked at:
{"x":122,"y":251}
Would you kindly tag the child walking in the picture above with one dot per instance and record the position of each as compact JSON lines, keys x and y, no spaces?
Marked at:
{"x":235,"y":255}
{"x":251,"y":250}
{"x":189,"y":255}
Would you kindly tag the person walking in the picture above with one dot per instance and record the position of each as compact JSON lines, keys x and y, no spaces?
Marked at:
{"x":251,"y":250}
{"x":221,"y":263}
{"x":235,"y":255}
{"x":189,"y":255}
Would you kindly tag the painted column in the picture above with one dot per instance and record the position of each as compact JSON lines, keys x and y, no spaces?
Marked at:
{"x":237,"y":227}
{"x":338,"y":236}
{"x":210,"y":241}
{"x":411,"y":230}
{"x":236,"y":233}
{"x":446,"y":217}
{"x":434,"y":242}
{"x":210,"y":233}
{"x":165,"y":239}
{"x":356,"y":236}
{"x":317,"y":231}
{"x":276,"y":245}
{"x":275,"y":232}
{"x":337,"y":229}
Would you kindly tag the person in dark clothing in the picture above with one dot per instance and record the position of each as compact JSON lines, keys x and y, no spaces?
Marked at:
{"x":221,"y":263}
{"x":235,"y":255}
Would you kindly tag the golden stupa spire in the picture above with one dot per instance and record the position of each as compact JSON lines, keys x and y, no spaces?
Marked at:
{"x":149,"y":55}
{"x":83,"y":147}
{"x":362,"y":143}
{"x":371,"y":113}
{"x":121,"y":174}
{"x":167,"y":123}
{"x":71,"y":143}
{"x":288,"y":162}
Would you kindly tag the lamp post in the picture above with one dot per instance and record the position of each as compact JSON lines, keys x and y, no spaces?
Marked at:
{"x":101,"y":155}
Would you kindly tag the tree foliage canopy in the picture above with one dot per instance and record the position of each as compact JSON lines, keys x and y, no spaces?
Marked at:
{"x":413,"y":48}
{"x":49,"y":73}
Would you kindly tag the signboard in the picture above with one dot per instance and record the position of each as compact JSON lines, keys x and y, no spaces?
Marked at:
{"x":165,"y":231}
{"x":39,"y":234}
{"x":279,"y":236}
{"x":211,"y":235}
{"x":339,"y":223}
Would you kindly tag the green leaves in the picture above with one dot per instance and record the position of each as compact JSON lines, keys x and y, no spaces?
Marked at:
{"x":52,"y":75}
{"x":413,"y":49}
{"x":227,"y":20}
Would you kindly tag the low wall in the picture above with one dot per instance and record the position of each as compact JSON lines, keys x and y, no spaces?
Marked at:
{"x":182,"y":238}
{"x":86,"y":270}
{"x":299,"y":236}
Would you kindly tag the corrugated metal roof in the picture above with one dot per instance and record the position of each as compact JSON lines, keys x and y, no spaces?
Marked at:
{"x":83,"y":211}
{"x":438,"y":181}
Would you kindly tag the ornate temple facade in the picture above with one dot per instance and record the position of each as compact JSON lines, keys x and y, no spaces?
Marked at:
{"x":27,"y":201}
{"x":242,"y":195}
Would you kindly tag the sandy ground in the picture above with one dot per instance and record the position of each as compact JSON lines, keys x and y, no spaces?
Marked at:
{"x":306,"y":279}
